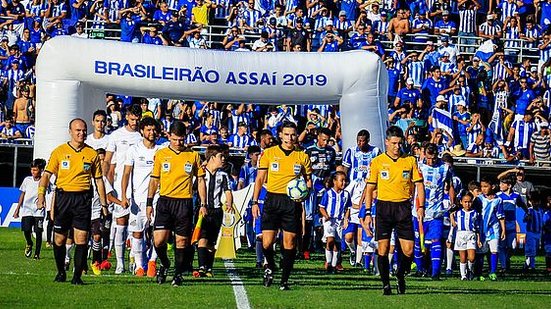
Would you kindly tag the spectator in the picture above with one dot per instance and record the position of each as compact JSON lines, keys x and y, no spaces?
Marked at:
{"x":9,"y":131}
{"x":299,"y":36}
{"x":263,"y":44}
{"x":200,"y":12}
{"x":489,"y":30}
{"x":23,"y":109}
{"x":241,"y":139}
{"x":520,"y":133}
{"x":162,"y":15}
{"x":540,"y":144}
{"x":445,"y":26}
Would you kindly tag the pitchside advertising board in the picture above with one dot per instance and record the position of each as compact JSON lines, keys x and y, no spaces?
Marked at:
{"x":8,"y":203}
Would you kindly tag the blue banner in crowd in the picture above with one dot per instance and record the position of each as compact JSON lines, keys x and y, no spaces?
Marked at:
{"x":8,"y":203}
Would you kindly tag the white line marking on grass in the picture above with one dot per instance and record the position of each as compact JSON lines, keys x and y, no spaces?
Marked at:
{"x":239,"y":291}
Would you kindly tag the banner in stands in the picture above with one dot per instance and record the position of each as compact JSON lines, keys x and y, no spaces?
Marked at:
{"x":8,"y":203}
{"x":73,"y":76}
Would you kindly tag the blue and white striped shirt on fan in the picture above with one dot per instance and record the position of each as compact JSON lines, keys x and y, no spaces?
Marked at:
{"x":488,"y":29}
{"x":475,"y":131}
{"x":251,"y":17}
{"x":466,"y":220}
{"x":416,"y":71}
{"x":545,"y":54}
{"x":241,"y":141}
{"x":335,"y":204}
{"x":467,"y":21}
{"x":523,"y":132}
{"x":533,"y":33}
{"x":507,"y":10}
{"x":512,"y":36}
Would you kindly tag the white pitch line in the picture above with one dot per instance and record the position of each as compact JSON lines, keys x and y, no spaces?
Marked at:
{"x":239,"y":291}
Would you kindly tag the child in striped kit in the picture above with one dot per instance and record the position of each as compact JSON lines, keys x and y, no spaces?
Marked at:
{"x":533,"y":219}
{"x":335,"y":210}
{"x":466,"y":222}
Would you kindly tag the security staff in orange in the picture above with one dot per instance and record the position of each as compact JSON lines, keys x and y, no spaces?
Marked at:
{"x":277,"y":166}
{"x":174,"y":168}
{"x":75,"y":165}
{"x":395,"y":175}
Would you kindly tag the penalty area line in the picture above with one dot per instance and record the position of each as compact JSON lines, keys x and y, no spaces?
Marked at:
{"x":241,"y":299}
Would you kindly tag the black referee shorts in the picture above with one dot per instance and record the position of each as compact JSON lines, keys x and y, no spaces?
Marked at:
{"x":280,"y":212}
{"x":393,"y":215}
{"x":72,"y":210}
{"x":175,"y":214}
{"x":211,"y":225}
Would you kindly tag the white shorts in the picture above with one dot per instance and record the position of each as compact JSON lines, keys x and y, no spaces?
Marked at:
{"x":331,"y":228}
{"x":137,"y":221}
{"x":369,"y":246}
{"x":465,"y":240}
{"x":490,"y":245}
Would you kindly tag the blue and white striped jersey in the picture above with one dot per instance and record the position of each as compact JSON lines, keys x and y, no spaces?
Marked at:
{"x":251,"y":17}
{"x":500,"y":70}
{"x":416,"y":71}
{"x":491,"y":211}
{"x":523,"y":132}
{"x":508,"y":9}
{"x":435,"y":178}
{"x":241,"y":141}
{"x":335,"y":203}
{"x":475,"y":131}
{"x":358,"y":161}
{"x":488,"y":29}
{"x":247,"y":174}
{"x":467,"y":220}
{"x":467,"y":20}
{"x":190,"y":139}
{"x":512,"y":37}
{"x":545,"y":53}
{"x":533,"y":33}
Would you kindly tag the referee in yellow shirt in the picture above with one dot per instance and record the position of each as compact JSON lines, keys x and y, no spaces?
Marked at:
{"x":174,"y":168}
{"x":277,"y":166}
{"x":74,"y":164}
{"x":395,"y":176}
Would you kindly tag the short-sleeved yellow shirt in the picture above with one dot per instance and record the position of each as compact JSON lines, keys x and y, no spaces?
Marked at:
{"x":394,"y":178}
{"x":175,"y":171}
{"x":283,"y":166}
{"x":201,"y":14}
{"x":73,"y":168}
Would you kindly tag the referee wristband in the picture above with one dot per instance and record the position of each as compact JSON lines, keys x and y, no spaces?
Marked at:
{"x":149,"y":202}
{"x":254,"y":202}
{"x":42,"y":190}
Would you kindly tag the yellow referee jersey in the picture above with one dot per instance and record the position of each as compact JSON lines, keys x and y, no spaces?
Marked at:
{"x":74,"y":168}
{"x":394,"y":178}
{"x":175,"y":171}
{"x":283,"y":166}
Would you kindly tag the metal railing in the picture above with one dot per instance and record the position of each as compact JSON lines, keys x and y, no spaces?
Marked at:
{"x":215,"y":34}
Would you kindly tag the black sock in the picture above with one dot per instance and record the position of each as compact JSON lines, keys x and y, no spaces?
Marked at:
{"x":404,"y":265}
{"x":269,"y":255}
{"x":383,"y":264}
{"x":163,"y":256}
{"x":59,"y":256}
{"x":179,"y":261}
{"x":38,"y":243}
{"x":287,"y":263}
{"x":478,"y":265}
{"x":28,"y":238}
{"x":49,"y":231}
{"x":188,"y":259}
{"x":80,"y":259}
{"x":202,"y":256}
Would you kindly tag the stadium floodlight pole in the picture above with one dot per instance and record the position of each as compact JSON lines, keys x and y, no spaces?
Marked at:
{"x":73,"y":76}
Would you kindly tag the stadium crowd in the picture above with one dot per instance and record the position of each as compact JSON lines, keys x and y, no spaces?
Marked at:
{"x":470,"y":76}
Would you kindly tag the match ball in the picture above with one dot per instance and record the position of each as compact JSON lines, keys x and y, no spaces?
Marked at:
{"x":297,"y":190}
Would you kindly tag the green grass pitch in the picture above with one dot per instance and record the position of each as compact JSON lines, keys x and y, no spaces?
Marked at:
{"x":28,"y":283}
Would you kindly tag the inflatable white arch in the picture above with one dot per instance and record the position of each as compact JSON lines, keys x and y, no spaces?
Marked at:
{"x":74,"y":74}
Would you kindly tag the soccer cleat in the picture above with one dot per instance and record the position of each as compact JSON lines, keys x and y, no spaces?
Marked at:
{"x":96,"y":268}
{"x":449,"y":272}
{"x":209,"y":273}
{"x":196,"y":274}
{"x":481,"y":278}
{"x":387,"y":290}
{"x":67,"y":264}
{"x":77,"y":281}
{"x":177,"y":280}
{"x":199,"y":273}
{"x":329,"y":269}
{"x":464,"y":278}
{"x":306,"y":255}
{"x":161,"y":274}
{"x":60,"y":277}
{"x":401,"y":286}
{"x":36,"y":257}
{"x":259,"y":265}
{"x":339,"y":267}
{"x":352,"y":258}
{"x":169,"y":247}
{"x":492,"y":277}
{"x":105,"y":265}
{"x":268,"y":277}
{"x":140,"y":272}
{"x":132,"y":266}
{"x":284,"y":286}
{"x":470,"y":275}
{"x":28,"y":251}
{"x":48,"y":244}
{"x":151,"y":269}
